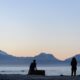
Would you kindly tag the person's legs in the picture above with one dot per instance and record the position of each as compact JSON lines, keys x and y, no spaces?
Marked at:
{"x":74,"y":72}
{"x":71,"y":72}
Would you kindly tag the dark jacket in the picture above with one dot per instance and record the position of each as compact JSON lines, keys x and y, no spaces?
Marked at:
{"x":74,"y":63}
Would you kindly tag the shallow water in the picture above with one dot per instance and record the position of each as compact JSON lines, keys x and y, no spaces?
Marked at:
{"x":52,"y":70}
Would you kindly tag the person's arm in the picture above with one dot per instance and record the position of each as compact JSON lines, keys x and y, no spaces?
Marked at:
{"x":35,"y":67}
{"x":76,"y":63}
{"x":71,"y":63}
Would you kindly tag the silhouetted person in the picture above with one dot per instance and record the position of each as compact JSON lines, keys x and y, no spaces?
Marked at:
{"x":74,"y":66}
{"x":32,"y":67}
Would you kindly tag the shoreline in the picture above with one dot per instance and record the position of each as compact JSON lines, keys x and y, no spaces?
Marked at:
{"x":34,"y":77}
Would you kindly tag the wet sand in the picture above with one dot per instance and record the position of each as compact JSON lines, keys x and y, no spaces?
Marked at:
{"x":25,"y":77}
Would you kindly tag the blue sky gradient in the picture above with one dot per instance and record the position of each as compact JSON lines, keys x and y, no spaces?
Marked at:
{"x":28,"y":27}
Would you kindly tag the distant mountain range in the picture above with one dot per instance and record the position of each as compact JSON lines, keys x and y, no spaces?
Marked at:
{"x":42,"y":59}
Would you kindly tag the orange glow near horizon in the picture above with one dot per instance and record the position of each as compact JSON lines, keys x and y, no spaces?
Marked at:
{"x":28,"y":53}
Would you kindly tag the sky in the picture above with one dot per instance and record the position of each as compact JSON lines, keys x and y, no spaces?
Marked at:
{"x":29,"y":27}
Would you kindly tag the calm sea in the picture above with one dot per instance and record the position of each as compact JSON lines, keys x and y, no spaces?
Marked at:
{"x":57,"y":70}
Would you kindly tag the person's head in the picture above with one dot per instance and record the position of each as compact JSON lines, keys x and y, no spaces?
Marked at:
{"x":34,"y":61}
{"x":73,"y":58}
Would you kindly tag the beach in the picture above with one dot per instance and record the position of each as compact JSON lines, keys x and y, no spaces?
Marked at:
{"x":34,"y":77}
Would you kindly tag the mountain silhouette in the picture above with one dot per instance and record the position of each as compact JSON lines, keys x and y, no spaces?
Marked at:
{"x":3,"y":53}
{"x":42,"y":59}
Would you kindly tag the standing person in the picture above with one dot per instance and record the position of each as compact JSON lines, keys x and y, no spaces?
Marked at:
{"x":74,"y":66}
{"x":32,"y":67}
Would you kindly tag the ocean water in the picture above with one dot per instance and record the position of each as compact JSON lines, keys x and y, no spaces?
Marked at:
{"x":50,"y":71}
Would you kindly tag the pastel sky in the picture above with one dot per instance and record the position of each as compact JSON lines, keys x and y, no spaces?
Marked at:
{"x":28,"y":27}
